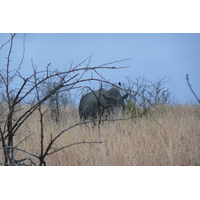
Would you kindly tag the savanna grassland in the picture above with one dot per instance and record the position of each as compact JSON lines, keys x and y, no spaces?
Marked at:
{"x":171,"y":137}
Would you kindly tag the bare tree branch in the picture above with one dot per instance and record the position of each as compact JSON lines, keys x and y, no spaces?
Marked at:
{"x":5,"y":43}
{"x":69,"y":145}
{"x":188,"y":82}
{"x":22,"y":59}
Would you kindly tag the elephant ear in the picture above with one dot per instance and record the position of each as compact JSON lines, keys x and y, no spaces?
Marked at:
{"x":125,"y":96}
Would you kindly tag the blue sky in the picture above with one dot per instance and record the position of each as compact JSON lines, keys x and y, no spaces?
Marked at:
{"x":153,"y":56}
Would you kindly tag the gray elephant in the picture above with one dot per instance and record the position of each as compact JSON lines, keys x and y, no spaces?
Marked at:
{"x":95,"y":104}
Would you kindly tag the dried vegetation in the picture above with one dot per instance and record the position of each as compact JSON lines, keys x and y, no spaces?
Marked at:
{"x":171,"y":138}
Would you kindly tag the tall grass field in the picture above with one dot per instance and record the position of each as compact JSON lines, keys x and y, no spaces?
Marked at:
{"x":169,"y":137}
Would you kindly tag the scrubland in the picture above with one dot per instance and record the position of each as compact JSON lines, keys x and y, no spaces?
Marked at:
{"x":169,"y":137}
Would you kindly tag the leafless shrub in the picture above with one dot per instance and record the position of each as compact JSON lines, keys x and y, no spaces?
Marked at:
{"x":144,"y":94}
{"x":57,"y":102}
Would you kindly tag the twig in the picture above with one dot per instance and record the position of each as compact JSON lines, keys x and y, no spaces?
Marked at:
{"x":18,"y":162}
{"x":22,"y":59}
{"x":69,"y":145}
{"x":34,"y":155}
{"x":188,"y":82}
{"x":5,"y":43}
{"x":23,"y":140}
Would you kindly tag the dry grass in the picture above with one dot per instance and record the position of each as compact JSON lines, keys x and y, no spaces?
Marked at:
{"x":140,"y":141}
